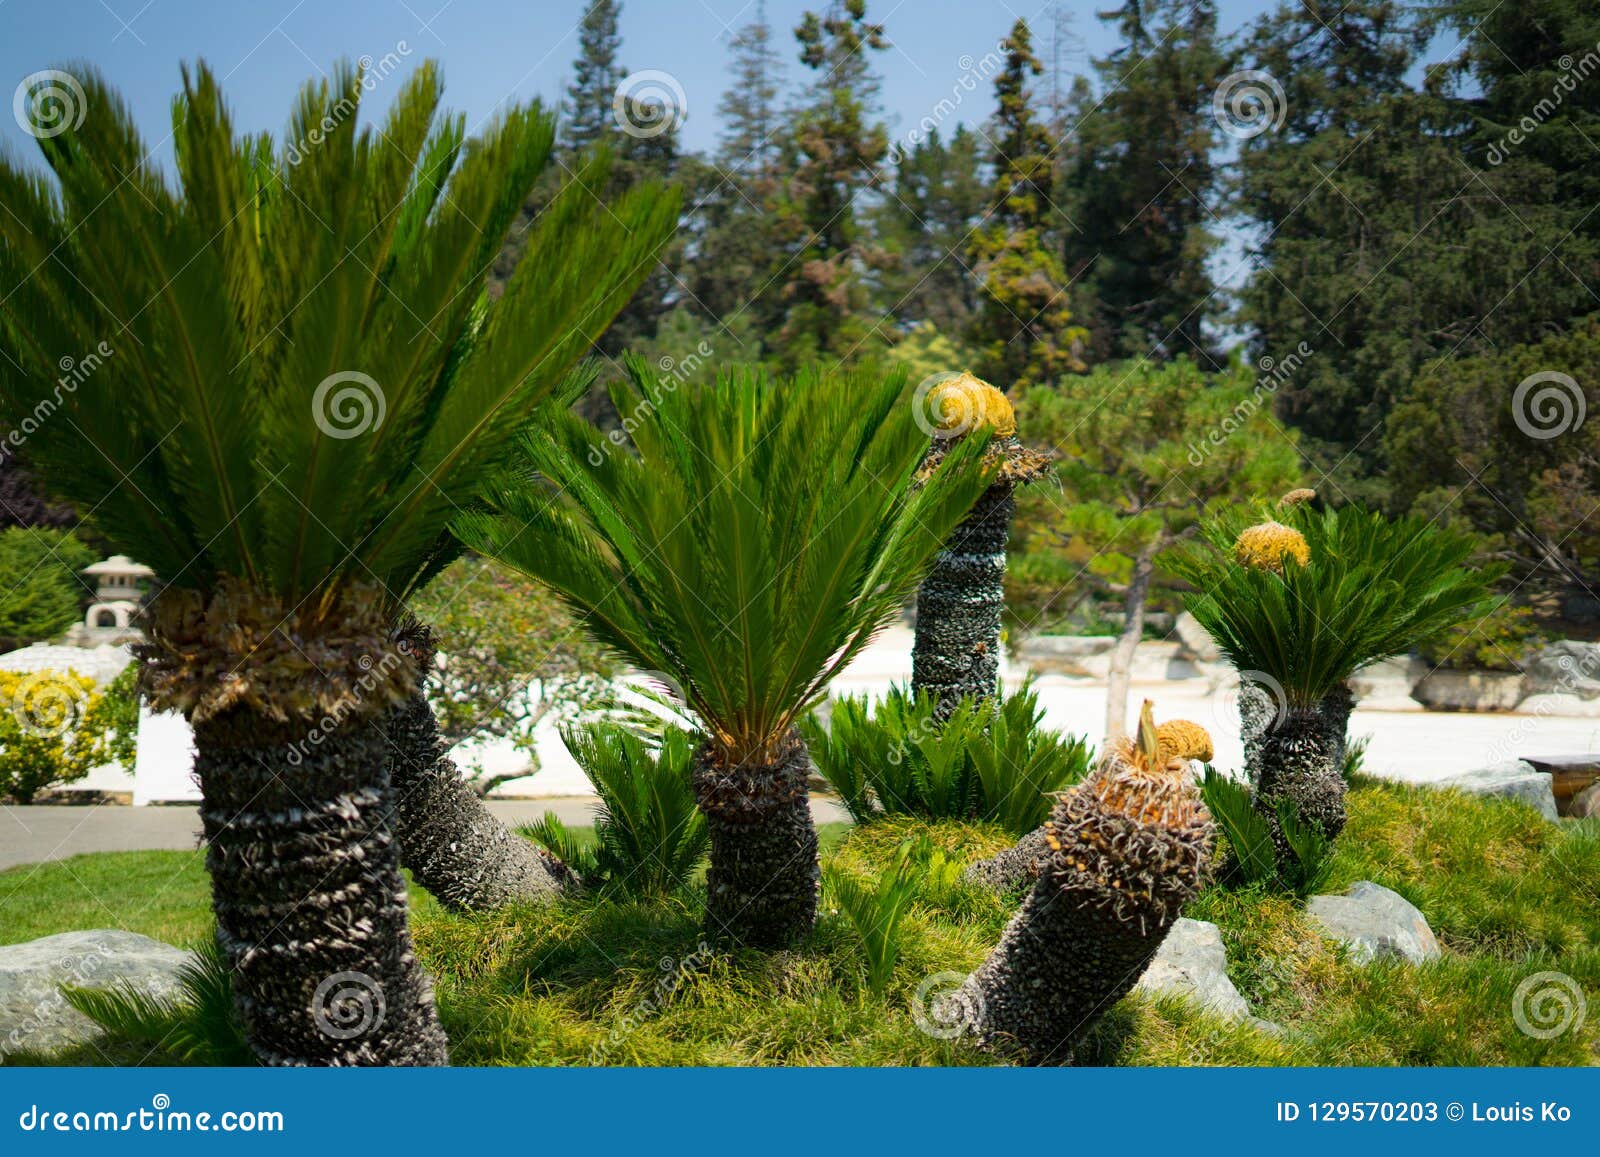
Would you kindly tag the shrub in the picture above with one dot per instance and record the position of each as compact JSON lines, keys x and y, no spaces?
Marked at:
{"x":53,"y":730}
{"x":875,"y":910}
{"x":1251,"y":858}
{"x":41,"y":595}
{"x":649,"y":836}
{"x":993,"y":764}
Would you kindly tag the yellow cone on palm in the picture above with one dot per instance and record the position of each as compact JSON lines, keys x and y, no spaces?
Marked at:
{"x":967,"y":402}
{"x":1265,"y":546}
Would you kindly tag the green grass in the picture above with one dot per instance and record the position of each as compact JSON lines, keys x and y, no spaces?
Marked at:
{"x":581,"y":982}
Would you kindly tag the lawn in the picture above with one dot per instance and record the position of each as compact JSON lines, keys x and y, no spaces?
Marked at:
{"x":630,"y":982}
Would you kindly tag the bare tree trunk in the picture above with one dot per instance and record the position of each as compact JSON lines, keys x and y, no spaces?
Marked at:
{"x":1120,"y":676}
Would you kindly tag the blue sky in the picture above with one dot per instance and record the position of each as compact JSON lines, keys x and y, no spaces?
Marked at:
{"x":495,"y":50}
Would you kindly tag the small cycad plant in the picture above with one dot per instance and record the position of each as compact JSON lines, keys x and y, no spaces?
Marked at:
{"x":1252,"y":857}
{"x":649,"y":836}
{"x":980,"y":762}
{"x":197,"y":1025}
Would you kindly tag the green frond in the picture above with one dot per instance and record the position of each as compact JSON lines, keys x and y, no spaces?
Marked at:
{"x":747,"y":543}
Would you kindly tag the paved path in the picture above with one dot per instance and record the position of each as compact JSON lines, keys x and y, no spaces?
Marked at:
{"x":31,"y":834}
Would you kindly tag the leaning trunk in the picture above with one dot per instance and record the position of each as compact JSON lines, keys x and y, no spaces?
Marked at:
{"x":1012,"y":869}
{"x":957,"y":647}
{"x":309,"y":900}
{"x":1296,"y":756}
{"x":449,"y":840}
{"x":1123,"y":852}
{"x":1120,"y":675}
{"x":762,"y":882}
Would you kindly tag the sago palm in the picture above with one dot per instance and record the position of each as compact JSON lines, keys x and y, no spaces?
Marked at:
{"x":298,"y":376}
{"x":745,"y":547}
{"x":1302,"y":601}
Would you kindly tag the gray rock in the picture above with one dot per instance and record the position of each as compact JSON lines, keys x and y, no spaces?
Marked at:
{"x":1552,"y":703}
{"x":1197,"y":642}
{"x":1193,"y":963}
{"x":1565,"y":667}
{"x":33,"y":1014}
{"x":1586,"y":804}
{"x":1375,"y":924}
{"x":1450,"y":690}
{"x":1387,"y":684}
{"x":1511,"y":779}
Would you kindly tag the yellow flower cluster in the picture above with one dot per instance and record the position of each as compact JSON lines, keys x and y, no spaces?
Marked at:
{"x":1264,"y":547}
{"x":1181,"y":739}
{"x":966,"y":402}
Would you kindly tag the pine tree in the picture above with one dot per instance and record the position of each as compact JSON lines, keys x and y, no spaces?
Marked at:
{"x":595,"y":76}
{"x":1142,"y":185}
{"x":1023,"y":326}
{"x":937,"y":196}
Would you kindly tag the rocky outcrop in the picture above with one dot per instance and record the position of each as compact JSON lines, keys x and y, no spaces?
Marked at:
{"x":1512,"y":779}
{"x":33,"y":1014}
{"x":1192,"y":963}
{"x":1374,"y":923}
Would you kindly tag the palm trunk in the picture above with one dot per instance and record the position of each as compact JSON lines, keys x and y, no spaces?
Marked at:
{"x":1112,"y":880}
{"x":762,"y":883}
{"x":1011,"y":869}
{"x":957,"y":648}
{"x":449,"y":840}
{"x":308,"y":895}
{"x":1120,"y":675}
{"x":1299,"y":758}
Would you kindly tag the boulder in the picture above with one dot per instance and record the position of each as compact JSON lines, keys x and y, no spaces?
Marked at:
{"x":1449,"y":690}
{"x":33,"y":1014}
{"x":1551,"y":703}
{"x":1512,"y":779}
{"x":1197,"y":642}
{"x":1374,"y":923}
{"x":1193,"y":963}
{"x":1565,"y":667}
{"x":1387,"y":685}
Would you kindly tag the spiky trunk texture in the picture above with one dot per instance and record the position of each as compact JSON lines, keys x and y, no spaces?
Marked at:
{"x":1297,"y":754}
{"x":1107,"y":893}
{"x":452,"y":844}
{"x":308,"y":895}
{"x":1013,"y":868}
{"x":957,"y":647}
{"x":763,"y":878}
